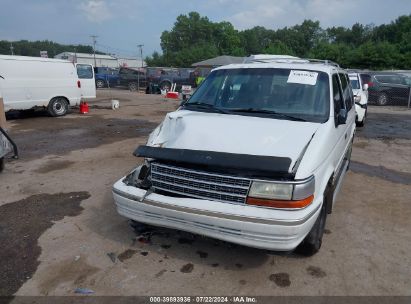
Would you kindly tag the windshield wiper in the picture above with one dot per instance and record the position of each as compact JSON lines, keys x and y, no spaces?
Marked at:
{"x":268,"y":112}
{"x":205,"y":106}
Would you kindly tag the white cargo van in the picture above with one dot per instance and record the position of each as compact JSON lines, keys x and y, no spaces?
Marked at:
{"x":33,"y":82}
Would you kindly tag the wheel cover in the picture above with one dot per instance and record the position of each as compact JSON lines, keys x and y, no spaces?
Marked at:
{"x":383,"y":99}
{"x":165,"y":86}
{"x":59,"y":107}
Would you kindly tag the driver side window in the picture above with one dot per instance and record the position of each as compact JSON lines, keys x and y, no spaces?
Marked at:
{"x":337,"y":96}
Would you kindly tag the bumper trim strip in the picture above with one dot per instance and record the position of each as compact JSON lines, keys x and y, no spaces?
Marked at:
{"x":147,"y":201}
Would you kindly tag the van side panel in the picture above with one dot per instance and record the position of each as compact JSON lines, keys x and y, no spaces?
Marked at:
{"x":33,"y":83}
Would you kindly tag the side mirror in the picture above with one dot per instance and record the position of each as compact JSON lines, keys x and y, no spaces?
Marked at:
{"x":365,"y":87}
{"x":342,"y":117}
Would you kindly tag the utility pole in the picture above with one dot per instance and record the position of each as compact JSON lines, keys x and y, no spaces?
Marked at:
{"x":94,"y":37}
{"x":140,"y":46}
{"x":12,"y":48}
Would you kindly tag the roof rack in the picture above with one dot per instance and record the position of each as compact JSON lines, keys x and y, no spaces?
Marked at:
{"x":286,"y":59}
{"x":265,"y":58}
{"x":326,"y":62}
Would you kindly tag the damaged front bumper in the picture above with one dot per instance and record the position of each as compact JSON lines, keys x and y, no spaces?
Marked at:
{"x":258,"y":227}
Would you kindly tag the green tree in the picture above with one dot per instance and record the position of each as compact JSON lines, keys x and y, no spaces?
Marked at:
{"x":194,"y":38}
{"x":33,"y":48}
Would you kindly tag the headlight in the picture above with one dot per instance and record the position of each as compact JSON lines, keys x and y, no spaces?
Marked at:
{"x":139,"y":177}
{"x":271,"y":190}
{"x":282,"y":195}
{"x":357,"y":98}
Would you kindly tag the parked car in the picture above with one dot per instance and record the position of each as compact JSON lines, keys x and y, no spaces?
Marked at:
{"x":52,"y":84}
{"x":6,"y":143}
{"x":360,"y":91}
{"x":106,"y":77}
{"x":132,"y":78}
{"x":387,"y":88}
{"x":255,"y":157}
{"x":7,"y":146}
{"x":163,"y":78}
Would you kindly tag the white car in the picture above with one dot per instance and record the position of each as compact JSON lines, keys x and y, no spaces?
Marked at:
{"x":255,"y":157}
{"x":360,"y":91}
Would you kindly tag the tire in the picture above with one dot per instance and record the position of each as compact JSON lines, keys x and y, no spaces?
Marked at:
{"x":58,"y":106}
{"x":133,"y":86}
{"x":100,"y":84}
{"x":2,"y":163}
{"x":360,"y":124}
{"x":139,"y":228}
{"x":165,"y":85}
{"x":312,"y":242}
{"x":383,"y":99}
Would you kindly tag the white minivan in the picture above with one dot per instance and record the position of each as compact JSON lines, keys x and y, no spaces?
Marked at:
{"x":360,"y":91}
{"x":53,"y":84}
{"x":255,"y":157}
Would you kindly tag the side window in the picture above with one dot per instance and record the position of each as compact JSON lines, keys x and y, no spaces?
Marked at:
{"x":346,"y":91}
{"x":365,"y":78}
{"x":350,"y":90}
{"x":338,"y":99}
{"x":84,"y":71}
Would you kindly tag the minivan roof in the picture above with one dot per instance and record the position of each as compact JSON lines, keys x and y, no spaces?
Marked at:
{"x":28,"y":58}
{"x":289,"y":65}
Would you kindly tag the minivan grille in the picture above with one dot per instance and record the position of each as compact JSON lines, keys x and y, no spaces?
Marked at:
{"x":199,"y":184}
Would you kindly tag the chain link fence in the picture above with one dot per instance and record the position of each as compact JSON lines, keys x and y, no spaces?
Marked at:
{"x":388,"y":88}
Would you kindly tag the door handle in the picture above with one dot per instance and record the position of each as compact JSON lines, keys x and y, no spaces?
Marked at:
{"x":345,"y":136}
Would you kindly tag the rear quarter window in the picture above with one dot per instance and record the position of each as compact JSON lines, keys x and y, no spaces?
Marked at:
{"x":84,"y":71}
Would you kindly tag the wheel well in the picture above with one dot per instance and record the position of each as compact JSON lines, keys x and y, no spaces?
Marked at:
{"x":328,"y":195}
{"x":166,"y":80}
{"x":68,"y":101}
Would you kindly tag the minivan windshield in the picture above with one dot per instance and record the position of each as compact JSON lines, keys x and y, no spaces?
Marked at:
{"x":265,"y":92}
{"x":354,"y":82}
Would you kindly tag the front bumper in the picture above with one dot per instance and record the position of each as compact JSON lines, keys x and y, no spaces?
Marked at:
{"x":360,"y":110}
{"x":258,"y":227}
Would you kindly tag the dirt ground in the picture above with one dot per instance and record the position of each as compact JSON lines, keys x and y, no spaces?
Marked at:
{"x":59,"y":229}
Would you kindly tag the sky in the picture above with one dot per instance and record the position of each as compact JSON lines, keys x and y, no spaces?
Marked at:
{"x":123,"y":24}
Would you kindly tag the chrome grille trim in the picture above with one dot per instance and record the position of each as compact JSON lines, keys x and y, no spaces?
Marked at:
{"x":199,"y":184}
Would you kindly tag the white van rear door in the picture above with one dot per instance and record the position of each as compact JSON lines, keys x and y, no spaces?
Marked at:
{"x":85,"y":73}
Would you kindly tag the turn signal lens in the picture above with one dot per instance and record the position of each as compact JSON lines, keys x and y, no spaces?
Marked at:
{"x":280,"y":203}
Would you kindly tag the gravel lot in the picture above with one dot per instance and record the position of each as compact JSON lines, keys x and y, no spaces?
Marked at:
{"x":59,"y":229}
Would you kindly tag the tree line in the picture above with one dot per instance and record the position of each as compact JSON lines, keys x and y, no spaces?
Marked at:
{"x":33,"y":48}
{"x":195,"y":38}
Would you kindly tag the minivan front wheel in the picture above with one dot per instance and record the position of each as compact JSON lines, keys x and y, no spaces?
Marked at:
{"x":382,"y":99}
{"x":2,"y":164}
{"x":313,"y":240}
{"x":58,"y":106}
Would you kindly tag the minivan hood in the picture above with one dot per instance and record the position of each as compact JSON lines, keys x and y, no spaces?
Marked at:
{"x":233,"y":134}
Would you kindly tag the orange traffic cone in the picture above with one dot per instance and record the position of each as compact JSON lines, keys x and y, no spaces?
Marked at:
{"x":83,"y":107}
